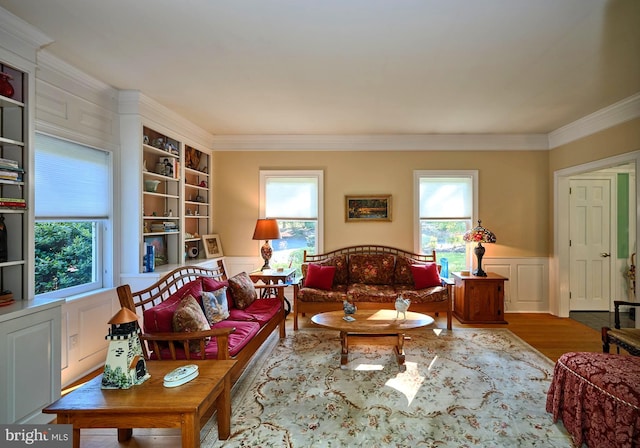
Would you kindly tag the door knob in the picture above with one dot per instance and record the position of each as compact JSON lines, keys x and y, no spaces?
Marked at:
{"x":605,"y":255}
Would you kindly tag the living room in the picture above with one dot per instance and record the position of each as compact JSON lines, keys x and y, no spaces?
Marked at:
{"x":523,"y":177}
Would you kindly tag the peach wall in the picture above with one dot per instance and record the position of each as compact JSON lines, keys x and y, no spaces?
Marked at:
{"x":513,"y":199}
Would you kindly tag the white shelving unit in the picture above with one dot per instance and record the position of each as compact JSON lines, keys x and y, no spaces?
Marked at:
{"x":197,"y":214}
{"x":14,"y":132}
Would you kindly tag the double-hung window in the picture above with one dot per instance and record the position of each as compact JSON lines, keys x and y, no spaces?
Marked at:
{"x":72,"y":198}
{"x":294,"y":198}
{"x":445,"y":203}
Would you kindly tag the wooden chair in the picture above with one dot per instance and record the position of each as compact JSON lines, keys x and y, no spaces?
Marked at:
{"x":627,"y":338}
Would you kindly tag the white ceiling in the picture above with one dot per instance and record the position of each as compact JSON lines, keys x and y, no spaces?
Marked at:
{"x":244,"y":67}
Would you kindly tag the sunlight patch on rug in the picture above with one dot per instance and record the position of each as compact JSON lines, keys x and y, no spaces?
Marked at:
{"x":483,"y":387}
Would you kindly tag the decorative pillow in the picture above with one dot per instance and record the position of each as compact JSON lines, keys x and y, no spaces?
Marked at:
{"x":189,"y":318}
{"x":159,"y":319}
{"x":242,"y":290}
{"x":211,"y":284}
{"x":319,"y":277}
{"x":216,"y":307}
{"x":425,"y":275}
{"x":402,"y":274}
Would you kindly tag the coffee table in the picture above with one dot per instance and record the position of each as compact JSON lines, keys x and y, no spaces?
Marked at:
{"x":150,"y":404}
{"x":379,"y":326}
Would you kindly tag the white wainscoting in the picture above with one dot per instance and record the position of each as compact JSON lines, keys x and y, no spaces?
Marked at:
{"x":84,"y":327}
{"x":527,"y":290}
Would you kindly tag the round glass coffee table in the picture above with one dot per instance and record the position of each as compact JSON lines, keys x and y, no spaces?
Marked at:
{"x":373,"y":327}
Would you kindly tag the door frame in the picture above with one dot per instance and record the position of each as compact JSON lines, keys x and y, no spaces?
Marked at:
{"x":559,"y":263}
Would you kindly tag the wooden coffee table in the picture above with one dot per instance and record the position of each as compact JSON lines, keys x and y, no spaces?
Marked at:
{"x":372,"y":326}
{"x":150,"y":404}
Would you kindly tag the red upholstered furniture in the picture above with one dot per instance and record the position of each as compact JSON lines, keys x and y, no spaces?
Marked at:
{"x":597,"y":397}
{"x":236,"y":337}
{"x":372,"y":277}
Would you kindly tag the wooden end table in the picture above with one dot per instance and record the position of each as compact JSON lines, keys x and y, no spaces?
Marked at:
{"x":369,"y":324}
{"x":150,"y":404}
{"x":479,"y":299}
{"x":274,"y":277}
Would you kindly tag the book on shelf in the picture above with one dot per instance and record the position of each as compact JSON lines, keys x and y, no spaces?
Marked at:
{"x":9,"y":162}
{"x":13,"y":204}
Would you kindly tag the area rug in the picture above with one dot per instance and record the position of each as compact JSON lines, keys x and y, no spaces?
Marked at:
{"x":461,"y":388}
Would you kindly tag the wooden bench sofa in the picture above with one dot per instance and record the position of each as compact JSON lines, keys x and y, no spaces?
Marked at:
{"x":237,"y":337}
{"x":372,"y":277}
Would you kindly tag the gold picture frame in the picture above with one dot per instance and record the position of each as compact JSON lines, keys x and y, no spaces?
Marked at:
{"x":212,"y":246}
{"x":367,"y":208}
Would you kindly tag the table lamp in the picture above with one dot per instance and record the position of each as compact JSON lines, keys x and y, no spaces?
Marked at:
{"x":480,"y":235}
{"x":266,"y":229}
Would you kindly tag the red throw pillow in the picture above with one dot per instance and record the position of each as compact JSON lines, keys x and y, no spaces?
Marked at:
{"x":425,"y":275}
{"x":320,"y":277}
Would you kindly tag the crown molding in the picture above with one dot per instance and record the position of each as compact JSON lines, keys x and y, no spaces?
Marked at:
{"x":22,"y":30}
{"x":47,"y":61}
{"x":380,"y":142}
{"x":617,"y":113}
{"x":137,"y":103}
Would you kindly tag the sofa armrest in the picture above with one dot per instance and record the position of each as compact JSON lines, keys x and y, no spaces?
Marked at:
{"x":182,"y":340}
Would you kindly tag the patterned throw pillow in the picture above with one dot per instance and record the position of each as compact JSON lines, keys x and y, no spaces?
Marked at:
{"x":189,"y":318}
{"x":242,"y":290}
{"x":215,"y":305}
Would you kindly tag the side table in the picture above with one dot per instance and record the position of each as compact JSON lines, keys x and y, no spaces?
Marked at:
{"x":275,"y":277}
{"x":479,"y":299}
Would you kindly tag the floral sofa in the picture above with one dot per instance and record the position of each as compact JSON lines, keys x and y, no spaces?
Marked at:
{"x":372,"y":277}
{"x":198,"y":313}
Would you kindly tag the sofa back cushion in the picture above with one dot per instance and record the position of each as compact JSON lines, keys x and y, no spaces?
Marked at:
{"x":402,"y":274}
{"x":159,"y":319}
{"x":371,"y":269}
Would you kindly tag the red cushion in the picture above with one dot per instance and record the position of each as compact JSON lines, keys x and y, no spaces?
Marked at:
{"x":245,"y":331}
{"x":319,"y":277}
{"x":159,"y":319}
{"x":261,"y":311}
{"x":425,"y":275}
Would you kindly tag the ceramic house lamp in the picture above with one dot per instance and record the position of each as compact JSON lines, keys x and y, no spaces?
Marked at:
{"x":125,"y":365}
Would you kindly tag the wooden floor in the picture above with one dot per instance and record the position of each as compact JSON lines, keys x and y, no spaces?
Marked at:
{"x":550,"y":335}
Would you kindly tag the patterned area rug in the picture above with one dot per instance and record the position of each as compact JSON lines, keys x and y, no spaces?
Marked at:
{"x":467,"y":387}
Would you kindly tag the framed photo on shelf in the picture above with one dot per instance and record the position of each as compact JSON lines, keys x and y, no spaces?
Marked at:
{"x":212,"y":246}
{"x":367,"y":208}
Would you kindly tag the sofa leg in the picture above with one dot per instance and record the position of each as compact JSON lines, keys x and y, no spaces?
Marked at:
{"x":295,"y":321}
{"x":449,"y":321}
{"x":605,"y":340}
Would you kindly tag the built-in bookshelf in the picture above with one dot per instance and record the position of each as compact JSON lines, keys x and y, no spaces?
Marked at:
{"x":161,"y":190}
{"x":196,"y":200}
{"x":14,"y":133}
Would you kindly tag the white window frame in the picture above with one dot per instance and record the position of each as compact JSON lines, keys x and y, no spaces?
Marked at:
{"x":419,"y":174}
{"x":103,"y":252}
{"x":318,"y":175}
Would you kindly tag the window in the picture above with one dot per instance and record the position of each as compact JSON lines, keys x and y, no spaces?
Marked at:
{"x":72,"y":208}
{"x":445,"y":207}
{"x":294,"y":198}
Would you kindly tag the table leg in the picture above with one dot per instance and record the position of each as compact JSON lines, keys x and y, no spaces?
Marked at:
{"x":223,"y":405}
{"x":124,"y":434}
{"x":190,"y":431}
{"x":344,"y":344}
{"x":400,"y":352}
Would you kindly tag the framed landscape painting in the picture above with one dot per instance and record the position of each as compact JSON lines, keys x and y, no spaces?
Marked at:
{"x":368,"y":208}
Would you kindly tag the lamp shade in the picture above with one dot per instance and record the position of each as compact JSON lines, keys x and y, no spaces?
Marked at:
{"x":266,"y":229}
{"x":479,"y":235}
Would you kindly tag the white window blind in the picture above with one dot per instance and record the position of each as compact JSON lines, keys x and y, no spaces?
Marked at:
{"x":446,"y":197}
{"x":291,"y":197}
{"x":71,"y":180}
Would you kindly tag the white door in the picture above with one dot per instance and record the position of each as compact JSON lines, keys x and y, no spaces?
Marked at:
{"x":589,"y":251}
